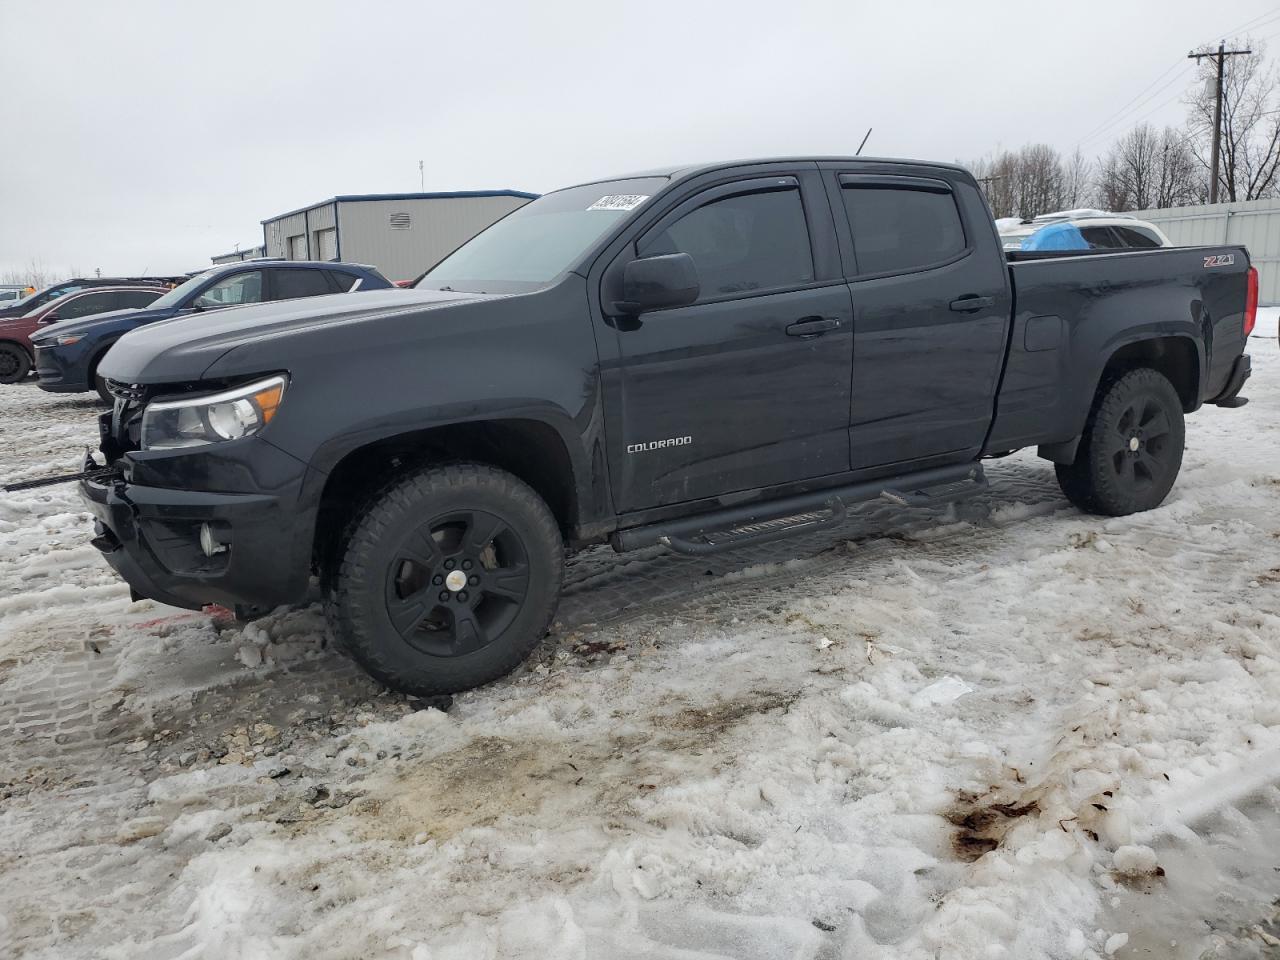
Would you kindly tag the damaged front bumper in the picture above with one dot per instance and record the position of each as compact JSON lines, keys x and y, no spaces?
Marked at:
{"x":156,"y":537}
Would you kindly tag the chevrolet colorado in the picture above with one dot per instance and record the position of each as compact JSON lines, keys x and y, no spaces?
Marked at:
{"x":699,"y":357}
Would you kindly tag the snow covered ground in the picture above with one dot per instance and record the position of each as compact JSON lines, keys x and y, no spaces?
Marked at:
{"x":1001,"y":730}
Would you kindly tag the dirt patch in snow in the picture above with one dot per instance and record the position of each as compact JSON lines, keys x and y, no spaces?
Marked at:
{"x":982,"y":824}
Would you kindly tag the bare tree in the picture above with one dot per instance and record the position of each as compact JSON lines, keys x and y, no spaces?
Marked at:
{"x":35,"y":274}
{"x":1026,"y":182}
{"x":1249,"y":167}
{"x":1145,"y":169}
{"x":1076,"y":176}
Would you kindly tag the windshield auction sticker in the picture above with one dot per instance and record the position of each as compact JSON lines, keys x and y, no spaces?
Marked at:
{"x":619,"y":201}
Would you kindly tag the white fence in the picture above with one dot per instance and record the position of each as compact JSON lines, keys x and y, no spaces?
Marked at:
{"x":1253,"y":223}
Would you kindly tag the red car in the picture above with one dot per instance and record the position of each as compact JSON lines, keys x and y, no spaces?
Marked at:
{"x":15,"y":332}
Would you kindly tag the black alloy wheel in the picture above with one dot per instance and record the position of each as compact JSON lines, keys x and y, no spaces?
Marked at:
{"x":457,"y":582}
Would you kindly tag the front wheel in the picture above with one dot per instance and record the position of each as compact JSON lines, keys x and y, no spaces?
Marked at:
{"x":15,"y":364}
{"x":449,"y":579}
{"x":1132,"y":446}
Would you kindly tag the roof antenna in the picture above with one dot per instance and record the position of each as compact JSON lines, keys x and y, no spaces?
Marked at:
{"x":864,"y":142}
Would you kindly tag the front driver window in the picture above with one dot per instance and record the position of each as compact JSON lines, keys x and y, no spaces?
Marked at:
{"x":231,"y":291}
{"x":743,"y":243}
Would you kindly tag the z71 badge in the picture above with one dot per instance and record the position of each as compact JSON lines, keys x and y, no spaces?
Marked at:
{"x":1221,"y":260}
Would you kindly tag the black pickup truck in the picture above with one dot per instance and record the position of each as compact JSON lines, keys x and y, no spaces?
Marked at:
{"x":699,"y":357}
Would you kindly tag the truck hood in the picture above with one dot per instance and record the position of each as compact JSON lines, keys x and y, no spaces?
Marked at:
{"x":88,"y":324}
{"x":183,"y":348}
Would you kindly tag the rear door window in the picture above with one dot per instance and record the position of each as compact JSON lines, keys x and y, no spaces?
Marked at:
{"x":1136,"y":237}
{"x":902,"y":228}
{"x":1100,"y":238}
{"x":741,"y":244}
{"x":342,"y":282}
{"x":126,"y":299}
{"x":86,"y":306}
{"x":293,"y":284}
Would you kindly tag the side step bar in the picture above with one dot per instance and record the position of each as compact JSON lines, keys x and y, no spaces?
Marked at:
{"x":801,"y":513}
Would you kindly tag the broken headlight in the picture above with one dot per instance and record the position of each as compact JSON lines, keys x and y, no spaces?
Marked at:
{"x":230,"y":415}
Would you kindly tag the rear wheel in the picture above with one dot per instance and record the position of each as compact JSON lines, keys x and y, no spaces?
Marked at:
{"x":449,"y":579}
{"x":15,"y":363}
{"x":1131,"y":451}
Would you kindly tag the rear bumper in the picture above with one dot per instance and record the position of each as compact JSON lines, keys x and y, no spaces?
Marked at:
{"x":1241,"y":370}
{"x":151,"y":538}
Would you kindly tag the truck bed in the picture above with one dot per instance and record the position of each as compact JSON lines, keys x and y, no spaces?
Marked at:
{"x":1073,"y":309}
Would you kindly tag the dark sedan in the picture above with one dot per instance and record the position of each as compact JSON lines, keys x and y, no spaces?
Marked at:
{"x":67,"y":358}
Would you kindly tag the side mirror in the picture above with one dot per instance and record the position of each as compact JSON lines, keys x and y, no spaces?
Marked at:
{"x":669,"y":280}
{"x":50,"y":317}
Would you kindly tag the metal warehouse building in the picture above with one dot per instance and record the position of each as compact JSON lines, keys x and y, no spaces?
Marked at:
{"x":402,"y":234}
{"x":237,"y":256}
{"x":1254,"y":223}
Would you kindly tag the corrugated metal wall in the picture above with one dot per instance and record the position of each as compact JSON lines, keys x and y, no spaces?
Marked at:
{"x":436,"y":228}
{"x":1253,"y":223}
{"x":320,"y":218}
{"x":236,"y":256}
{"x":276,"y":233}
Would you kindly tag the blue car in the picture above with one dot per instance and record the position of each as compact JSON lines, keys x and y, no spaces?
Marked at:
{"x":67,"y":355}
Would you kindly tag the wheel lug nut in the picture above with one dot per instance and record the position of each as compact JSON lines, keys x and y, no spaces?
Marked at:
{"x":448,"y":564}
{"x":444,"y":596}
{"x":466,"y":564}
{"x":462,"y":595}
{"x":437,"y":579}
{"x":474,"y":579}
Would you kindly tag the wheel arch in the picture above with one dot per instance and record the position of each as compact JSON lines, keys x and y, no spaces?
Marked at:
{"x":1176,"y":356}
{"x":9,"y":342}
{"x":530,"y":449}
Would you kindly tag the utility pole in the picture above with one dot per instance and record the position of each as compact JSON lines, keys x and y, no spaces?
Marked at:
{"x":1220,"y":56}
{"x":986,"y":184}
{"x":422,"y":178}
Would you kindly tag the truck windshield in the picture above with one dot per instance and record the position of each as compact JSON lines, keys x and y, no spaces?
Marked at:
{"x":529,"y":248}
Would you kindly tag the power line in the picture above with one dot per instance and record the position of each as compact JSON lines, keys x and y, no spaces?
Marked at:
{"x":1107,"y":122}
{"x":1250,"y":24}
{"x":1253,"y":23}
{"x":1129,"y":116}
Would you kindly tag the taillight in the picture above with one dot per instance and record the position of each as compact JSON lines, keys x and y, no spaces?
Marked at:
{"x":1251,"y":302}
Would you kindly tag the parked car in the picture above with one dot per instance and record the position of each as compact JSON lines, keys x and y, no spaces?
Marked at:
{"x":701,"y":358}
{"x":11,"y":293}
{"x":17,"y":333}
{"x":1081,"y":230}
{"x":67,"y":358}
{"x":50,"y":293}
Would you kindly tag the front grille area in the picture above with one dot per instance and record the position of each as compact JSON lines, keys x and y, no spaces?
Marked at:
{"x":126,"y":391}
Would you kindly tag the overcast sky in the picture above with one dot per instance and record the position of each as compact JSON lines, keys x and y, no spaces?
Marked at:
{"x":149,"y":136}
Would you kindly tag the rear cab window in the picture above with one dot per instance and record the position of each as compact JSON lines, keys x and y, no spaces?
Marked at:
{"x":902,"y":224}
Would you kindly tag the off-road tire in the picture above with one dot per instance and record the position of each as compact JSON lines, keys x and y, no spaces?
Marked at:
{"x":15,"y":363}
{"x":384,"y":541}
{"x":1109,"y":477}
